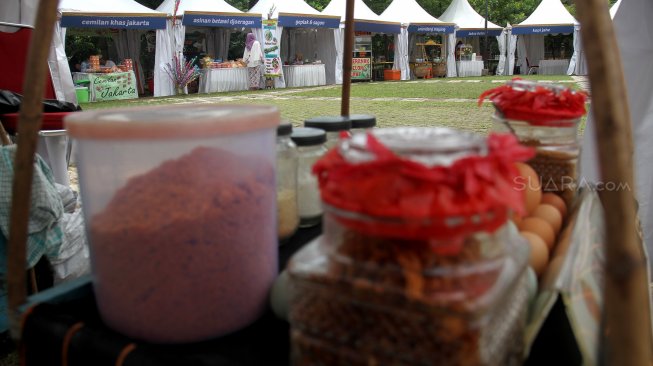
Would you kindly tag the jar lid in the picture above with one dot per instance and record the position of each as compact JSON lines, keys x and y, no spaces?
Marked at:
{"x":170,"y":122}
{"x":362,"y":120}
{"x":308,"y":136}
{"x":284,"y":129}
{"x":329,"y":123}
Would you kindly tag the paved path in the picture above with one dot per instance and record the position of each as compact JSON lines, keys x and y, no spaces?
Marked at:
{"x":287,"y":94}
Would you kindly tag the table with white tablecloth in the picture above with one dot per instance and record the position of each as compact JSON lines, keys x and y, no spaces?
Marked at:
{"x":553,"y":67}
{"x":469,"y":68}
{"x":223,"y":80}
{"x":304,"y":75}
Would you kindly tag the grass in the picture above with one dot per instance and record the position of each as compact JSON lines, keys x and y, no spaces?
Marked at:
{"x":434,"y":102}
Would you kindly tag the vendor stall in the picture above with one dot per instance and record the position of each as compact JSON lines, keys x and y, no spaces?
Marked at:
{"x":304,"y":75}
{"x":123,"y":21}
{"x":201,"y":28}
{"x":527,"y":37}
{"x":418,"y":26}
{"x":473,"y":27}
{"x":366,"y":25}
{"x":214,"y":80}
{"x":296,"y":34}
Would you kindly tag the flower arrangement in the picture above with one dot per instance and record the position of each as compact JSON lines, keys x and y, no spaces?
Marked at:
{"x":181,"y":72}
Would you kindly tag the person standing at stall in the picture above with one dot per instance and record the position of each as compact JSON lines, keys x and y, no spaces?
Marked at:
{"x":253,"y":56}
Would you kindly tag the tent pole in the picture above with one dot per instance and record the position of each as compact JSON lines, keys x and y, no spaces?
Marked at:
{"x":29,"y":124}
{"x":626,"y":332}
{"x":346,"y":59}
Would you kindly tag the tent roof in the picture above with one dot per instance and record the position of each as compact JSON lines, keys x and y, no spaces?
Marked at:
{"x":461,"y":13}
{"x":283,"y":6}
{"x":361,"y":11}
{"x":549,"y":12}
{"x":213,"y":6}
{"x":614,"y":8}
{"x":407,"y":11}
{"x":108,"y":7}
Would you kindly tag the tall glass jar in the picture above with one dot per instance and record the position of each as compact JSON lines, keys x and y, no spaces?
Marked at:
{"x":332,"y":125}
{"x":287,"y":161}
{"x":310,"y":146}
{"x":555,"y":139}
{"x":407,"y":272}
{"x":362,"y":122}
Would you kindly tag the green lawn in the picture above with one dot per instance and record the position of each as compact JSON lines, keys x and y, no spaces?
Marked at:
{"x":434,"y":102}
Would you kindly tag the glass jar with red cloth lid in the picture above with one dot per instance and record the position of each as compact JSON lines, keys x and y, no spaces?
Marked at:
{"x":545,"y":116}
{"x":417,"y":264}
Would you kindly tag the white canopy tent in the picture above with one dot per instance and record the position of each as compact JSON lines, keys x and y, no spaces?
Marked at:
{"x":24,"y":12}
{"x":365,"y":20}
{"x":129,"y":18}
{"x":215,"y":18}
{"x":550,"y":17}
{"x":614,"y":8}
{"x":634,"y":34}
{"x":303,"y":30}
{"x":415,"y":20}
{"x":472,"y":24}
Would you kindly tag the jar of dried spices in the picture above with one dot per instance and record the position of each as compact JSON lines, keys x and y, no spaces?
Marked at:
{"x":417,"y":264}
{"x":310,"y":147}
{"x":334,"y":126}
{"x":546,"y":117}
{"x":287,"y":161}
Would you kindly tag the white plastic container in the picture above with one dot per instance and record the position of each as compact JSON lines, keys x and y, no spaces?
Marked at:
{"x":180,"y":210}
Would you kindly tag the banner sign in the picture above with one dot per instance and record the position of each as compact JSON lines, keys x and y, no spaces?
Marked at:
{"x":117,"y":22}
{"x":118,"y":85}
{"x":377,"y":27}
{"x":225,"y":20}
{"x":361,"y":68}
{"x":543,"y":29}
{"x":430,"y":28}
{"x":478,"y":32}
{"x":271,"y":49}
{"x":308,"y":21}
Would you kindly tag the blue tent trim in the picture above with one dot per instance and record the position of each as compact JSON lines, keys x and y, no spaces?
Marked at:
{"x":113,"y":21}
{"x":542,"y":29}
{"x":223,"y":20}
{"x":376,"y":27}
{"x":308,"y":21}
{"x":478,"y":32}
{"x":431,"y":28}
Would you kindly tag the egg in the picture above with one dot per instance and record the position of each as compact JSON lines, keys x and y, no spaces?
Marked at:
{"x":540,"y":228}
{"x":555,"y":201}
{"x":549,"y":214}
{"x":516,"y":218}
{"x":539,"y":256}
{"x":529,"y":182}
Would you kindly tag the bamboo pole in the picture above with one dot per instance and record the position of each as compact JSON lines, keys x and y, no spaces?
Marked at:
{"x":29,"y":124}
{"x":627,"y":328}
{"x":346,"y":59}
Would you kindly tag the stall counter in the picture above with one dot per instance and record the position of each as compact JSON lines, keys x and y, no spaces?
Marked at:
{"x":223,"y":80}
{"x":304,"y":75}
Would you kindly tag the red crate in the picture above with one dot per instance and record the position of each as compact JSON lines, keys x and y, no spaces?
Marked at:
{"x":391,"y":74}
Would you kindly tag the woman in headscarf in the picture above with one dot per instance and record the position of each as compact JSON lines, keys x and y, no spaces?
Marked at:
{"x":253,"y":56}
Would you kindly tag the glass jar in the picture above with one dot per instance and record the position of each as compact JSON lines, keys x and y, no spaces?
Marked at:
{"x":555,"y":141}
{"x":362,"y":122}
{"x":332,"y":125}
{"x":287,"y":161}
{"x":390,"y":282}
{"x":310,"y":147}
